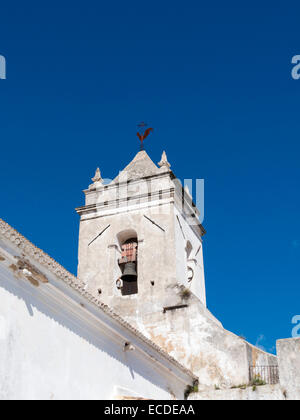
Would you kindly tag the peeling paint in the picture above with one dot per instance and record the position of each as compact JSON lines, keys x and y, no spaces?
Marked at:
{"x":33,"y":281}
{"x":13,"y":267}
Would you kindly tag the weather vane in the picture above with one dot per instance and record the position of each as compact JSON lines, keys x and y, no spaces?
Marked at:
{"x":143,"y":132}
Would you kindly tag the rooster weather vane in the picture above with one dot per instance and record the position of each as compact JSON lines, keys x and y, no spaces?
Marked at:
{"x":143,"y":132}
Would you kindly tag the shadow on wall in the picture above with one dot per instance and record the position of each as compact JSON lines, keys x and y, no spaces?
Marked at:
{"x":81,"y":329}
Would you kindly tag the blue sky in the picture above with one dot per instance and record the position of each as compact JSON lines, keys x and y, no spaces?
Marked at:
{"x":214,"y":80}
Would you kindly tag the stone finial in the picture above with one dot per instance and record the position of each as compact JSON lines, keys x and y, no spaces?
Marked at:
{"x":164,"y":161}
{"x":97,"y":180}
{"x":97,"y":177}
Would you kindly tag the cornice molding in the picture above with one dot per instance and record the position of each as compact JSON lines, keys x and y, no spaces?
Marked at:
{"x":114,"y":185}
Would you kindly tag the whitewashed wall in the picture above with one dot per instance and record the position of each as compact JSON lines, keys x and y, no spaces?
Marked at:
{"x":48,"y":351}
{"x":183,"y":234}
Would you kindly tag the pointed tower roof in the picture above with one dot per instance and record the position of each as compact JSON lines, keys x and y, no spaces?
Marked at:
{"x":140,"y":167}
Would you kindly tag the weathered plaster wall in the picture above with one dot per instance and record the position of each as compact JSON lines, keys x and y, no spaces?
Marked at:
{"x":266,"y":392}
{"x":195,"y":338}
{"x":288,"y":352}
{"x":190,"y":334}
{"x":125,"y":210}
{"x":98,"y":262}
{"x":183,"y":235}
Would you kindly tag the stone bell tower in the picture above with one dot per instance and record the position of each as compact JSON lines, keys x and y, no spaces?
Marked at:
{"x":140,"y":252}
{"x":140,"y":241}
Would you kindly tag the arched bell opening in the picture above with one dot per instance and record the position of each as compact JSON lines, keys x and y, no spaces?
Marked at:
{"x":128,"y":282}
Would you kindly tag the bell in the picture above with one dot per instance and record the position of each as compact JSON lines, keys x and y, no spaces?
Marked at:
{"x":129,"y":273}
{"x":129,"y":279}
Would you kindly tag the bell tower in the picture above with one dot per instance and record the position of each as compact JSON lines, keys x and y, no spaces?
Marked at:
{"x":140,"y":252}
{"x":140,"y":241}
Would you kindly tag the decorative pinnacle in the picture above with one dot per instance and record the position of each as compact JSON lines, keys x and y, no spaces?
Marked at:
{"x":164,"y":161}
{"x":97,"y":177}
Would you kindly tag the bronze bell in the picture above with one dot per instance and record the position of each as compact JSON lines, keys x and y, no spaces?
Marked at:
{"x":129,"y":279}
{"x":129,"y":273}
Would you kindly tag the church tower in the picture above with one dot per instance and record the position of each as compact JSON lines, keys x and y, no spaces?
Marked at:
{"x":140,"y":240}
{"x":140,"y":252}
